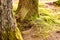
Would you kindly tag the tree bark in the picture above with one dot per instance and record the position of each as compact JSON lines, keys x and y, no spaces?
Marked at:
{"x":8,"y":26}
{"x":26,"y":11}
{"x":27,"y":7}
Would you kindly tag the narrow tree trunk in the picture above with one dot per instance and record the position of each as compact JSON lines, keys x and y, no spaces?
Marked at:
{"x":8,"y":27}
{"x":27,"y":7}
{"x":27,"y":11}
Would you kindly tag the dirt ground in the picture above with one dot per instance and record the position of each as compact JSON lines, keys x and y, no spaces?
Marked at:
{"x":31,"y":35}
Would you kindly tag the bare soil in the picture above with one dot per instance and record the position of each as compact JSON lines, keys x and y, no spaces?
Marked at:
{"x":31,"y":35}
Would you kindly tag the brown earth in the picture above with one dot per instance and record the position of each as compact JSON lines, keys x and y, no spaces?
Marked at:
{"x":31,"y":35}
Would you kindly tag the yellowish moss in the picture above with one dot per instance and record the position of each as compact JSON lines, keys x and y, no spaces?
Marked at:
{"x":12,"y":35}
{"x":18,"y":34}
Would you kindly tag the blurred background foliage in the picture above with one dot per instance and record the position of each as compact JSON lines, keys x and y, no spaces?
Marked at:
{"x":58,"y":2}
{"x":15,"y":5}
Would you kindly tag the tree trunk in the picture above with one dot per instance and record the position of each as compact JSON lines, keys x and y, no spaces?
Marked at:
{"x":27,"y":6}
{"x":27,"y":11}
{"x":8,"y":27}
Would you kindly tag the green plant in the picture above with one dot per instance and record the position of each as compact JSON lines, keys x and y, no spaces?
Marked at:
{"x":58,"y":2}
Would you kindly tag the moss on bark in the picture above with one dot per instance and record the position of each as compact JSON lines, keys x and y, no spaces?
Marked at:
{"x":8,"y":26}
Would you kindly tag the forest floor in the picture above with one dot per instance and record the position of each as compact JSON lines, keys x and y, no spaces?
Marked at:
{"x":30,"y":34}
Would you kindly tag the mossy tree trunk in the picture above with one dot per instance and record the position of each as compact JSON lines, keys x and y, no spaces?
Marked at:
{"x":8,"y":26}
{"x":27,"y":11}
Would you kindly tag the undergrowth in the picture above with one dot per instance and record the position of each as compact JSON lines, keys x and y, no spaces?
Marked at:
{"x":47,"y":21}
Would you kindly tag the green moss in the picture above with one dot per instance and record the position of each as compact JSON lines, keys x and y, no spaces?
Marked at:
{"x":58,"y":2}
{"x":47,"y":21}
